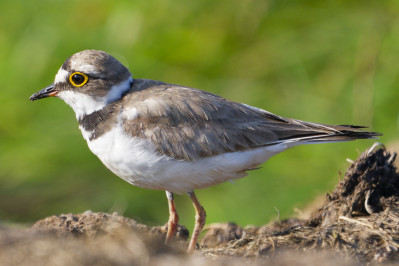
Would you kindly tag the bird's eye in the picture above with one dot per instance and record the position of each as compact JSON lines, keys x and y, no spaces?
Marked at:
{"x":78,"y":79}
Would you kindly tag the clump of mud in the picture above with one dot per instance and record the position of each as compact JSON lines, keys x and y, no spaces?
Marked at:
{"x":359,"y":223}
{"x":360,"y":219}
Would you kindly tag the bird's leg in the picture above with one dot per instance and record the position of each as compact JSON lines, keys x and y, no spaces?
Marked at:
{"x":200,"y":216}
{"x":173,"y":217}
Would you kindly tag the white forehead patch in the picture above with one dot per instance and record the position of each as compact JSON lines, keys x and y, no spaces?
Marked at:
{"x":87,"y":69}
{"x":62,"y":76}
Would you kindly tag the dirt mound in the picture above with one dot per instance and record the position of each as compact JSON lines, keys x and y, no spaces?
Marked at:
{"x":360,"y":218}
{"x":90,"y":224}
{"x":358,"y":223}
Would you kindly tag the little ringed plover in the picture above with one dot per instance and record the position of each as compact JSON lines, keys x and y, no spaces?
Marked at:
{"x":162,"y":136}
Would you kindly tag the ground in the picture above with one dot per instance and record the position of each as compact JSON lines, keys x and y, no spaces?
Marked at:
{"x":358,"y":224}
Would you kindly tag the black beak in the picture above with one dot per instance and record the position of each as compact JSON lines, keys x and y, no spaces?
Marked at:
{"x":49,"y":91}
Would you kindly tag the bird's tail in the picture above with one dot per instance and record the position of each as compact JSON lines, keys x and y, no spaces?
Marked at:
{"x":345,"y":133}
{"x":334,"y":133}
{"x":296,"y":132}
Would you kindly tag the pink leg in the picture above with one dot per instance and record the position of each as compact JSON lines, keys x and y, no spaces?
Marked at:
{"x":173,"y":217}
{"x":200,"y":216}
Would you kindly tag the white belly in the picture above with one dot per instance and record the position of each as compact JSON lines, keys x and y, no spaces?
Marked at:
{"x":136,"y":161}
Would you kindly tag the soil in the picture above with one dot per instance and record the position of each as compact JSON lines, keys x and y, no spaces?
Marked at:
{"x":358,"y":224}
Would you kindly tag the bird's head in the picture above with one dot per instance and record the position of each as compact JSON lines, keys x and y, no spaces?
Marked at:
{"x":87,"y":81}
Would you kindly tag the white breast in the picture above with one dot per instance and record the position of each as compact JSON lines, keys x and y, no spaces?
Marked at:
{"x":136,"y":161}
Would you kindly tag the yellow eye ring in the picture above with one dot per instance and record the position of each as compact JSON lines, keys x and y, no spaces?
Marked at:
{"x":78,"y":79}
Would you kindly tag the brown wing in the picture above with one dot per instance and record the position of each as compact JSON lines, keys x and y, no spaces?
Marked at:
{"x":189,"y":124}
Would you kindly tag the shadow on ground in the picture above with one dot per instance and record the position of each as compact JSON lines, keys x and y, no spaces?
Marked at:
{"x":359,"y":223}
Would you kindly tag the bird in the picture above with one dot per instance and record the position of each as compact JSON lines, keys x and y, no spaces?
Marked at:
{"x":161,"y":136}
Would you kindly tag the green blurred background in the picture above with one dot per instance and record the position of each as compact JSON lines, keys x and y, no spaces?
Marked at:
{"x":333,"y":62}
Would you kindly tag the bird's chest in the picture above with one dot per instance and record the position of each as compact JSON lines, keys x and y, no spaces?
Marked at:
{"x":127,"y":157}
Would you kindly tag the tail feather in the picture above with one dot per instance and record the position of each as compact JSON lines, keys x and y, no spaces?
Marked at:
{"x":346,"y":135}
{"x":353,"y":126}
{"x":319,"y":133}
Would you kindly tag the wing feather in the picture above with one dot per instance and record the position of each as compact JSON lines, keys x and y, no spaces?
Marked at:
{"x":189,"y":124}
